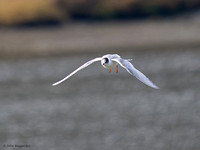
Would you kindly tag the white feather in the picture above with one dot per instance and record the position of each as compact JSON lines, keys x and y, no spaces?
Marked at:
{"x":81,"y":67}
{"x":133,"y":71}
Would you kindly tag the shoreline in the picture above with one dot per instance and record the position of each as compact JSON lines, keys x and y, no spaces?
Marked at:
{"x":80,"y":38}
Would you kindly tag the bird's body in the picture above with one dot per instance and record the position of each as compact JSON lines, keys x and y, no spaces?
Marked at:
{"x":112,"y":60}
{"x":108,"y":63}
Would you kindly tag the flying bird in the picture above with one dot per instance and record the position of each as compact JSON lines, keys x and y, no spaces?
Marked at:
{"x":112,"y":60}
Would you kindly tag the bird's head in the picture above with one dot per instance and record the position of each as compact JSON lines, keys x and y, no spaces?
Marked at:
{"x":105,"y":62}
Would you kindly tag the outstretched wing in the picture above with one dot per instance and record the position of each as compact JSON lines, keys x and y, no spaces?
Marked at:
{"x":133,"y":71}
{"x":81,"y":67}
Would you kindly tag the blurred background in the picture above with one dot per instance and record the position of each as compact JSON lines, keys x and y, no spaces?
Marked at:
{"x":43,"y":41}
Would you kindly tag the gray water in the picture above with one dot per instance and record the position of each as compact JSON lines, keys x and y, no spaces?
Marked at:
{"x":98,"y":110}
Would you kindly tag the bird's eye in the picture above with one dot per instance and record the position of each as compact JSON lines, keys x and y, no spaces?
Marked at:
{"x":106,"y":60}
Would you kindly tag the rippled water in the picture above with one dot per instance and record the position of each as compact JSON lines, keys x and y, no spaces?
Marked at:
{"x":98,"y":110}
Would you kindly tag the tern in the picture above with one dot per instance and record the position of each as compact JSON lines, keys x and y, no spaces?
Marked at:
{"x":112,"y":60}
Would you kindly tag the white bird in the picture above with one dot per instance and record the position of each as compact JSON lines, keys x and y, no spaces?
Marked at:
{"x":112,"y":60}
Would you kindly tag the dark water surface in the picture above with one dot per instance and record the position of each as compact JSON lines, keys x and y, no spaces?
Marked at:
{"x":97,"y":110}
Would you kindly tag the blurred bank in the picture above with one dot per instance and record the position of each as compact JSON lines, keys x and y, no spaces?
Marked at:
{"x":62,"y":27}
{"x":18,"y":12}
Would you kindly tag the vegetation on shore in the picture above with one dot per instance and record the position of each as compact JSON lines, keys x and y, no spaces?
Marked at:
{"x":14,"y":12}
